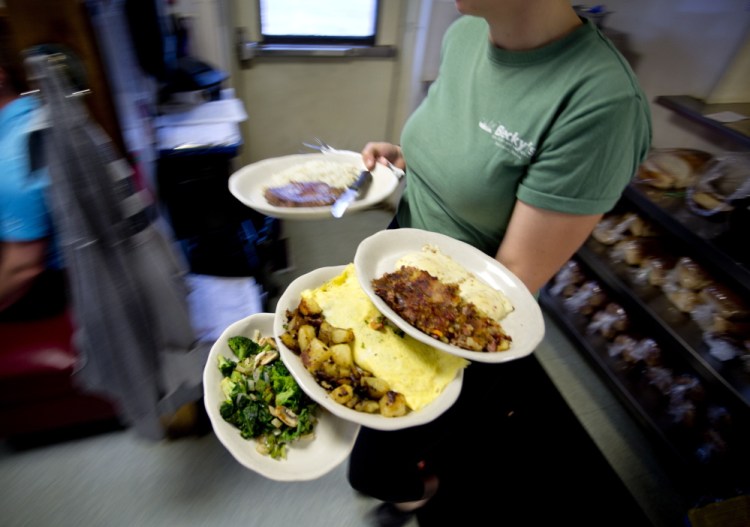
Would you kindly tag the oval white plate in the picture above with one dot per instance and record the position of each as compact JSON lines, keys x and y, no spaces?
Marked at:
{"x":378,"y":254}
{"x":289,"y":301}
{"x":306,"y":459}
{"x":248,"y":184}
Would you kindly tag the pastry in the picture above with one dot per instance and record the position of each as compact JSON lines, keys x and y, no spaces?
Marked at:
{"x":612,"y":229}
{"x":657,"y":268}
{"x":650,"y":352}
{"x":722,"y":326}
{"x":609,"y":321}
{"x":683,"y":299}
{"x":620,"y":344}
{"x":587,"y":298}
{"x":691,"y":275}
{"x":724,"y":302}
{"x":567,"y":279}
{"x":642,"y":228}
{"x":672,"y":168}
{"x":633,"y":251}
{"x":661,"y":378}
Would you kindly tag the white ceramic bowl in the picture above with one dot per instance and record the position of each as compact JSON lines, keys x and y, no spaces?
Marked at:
{"x":378,"y":254}
{"x":289,"y":301}
{"x":306,"y":459}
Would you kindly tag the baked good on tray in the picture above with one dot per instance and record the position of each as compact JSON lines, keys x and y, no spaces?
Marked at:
{"x":673,"y":168}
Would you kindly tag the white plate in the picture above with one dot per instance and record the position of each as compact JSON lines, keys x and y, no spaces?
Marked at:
{"x":289,"y":301}
{"x":306,"y":459}
{"x":377,"y":255}
{"x":248,"y":185}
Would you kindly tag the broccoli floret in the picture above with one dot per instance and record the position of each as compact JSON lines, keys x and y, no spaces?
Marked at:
{"x":233,"y":385}
{"x":243,"y":347}
{"x":288,"y":392}
{"x":227,"y":411}
{"x":226,"y":366}
{"x":254,"y":419}
{"x":250,"y":389}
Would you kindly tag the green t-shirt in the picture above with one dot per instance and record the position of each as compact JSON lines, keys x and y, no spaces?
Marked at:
{"x":563,"y":127}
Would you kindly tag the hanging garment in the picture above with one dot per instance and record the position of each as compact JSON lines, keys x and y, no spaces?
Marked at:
{"x":129,"y":298}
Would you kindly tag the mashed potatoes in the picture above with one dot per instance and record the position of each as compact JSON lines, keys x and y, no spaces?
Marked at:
{"x":332,"y":173}
{"x":416,"y":370}
{"x":488,"y":300}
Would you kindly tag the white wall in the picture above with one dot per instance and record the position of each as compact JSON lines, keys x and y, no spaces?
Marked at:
{"x":734,"y":86}
{"x":684,"y":47}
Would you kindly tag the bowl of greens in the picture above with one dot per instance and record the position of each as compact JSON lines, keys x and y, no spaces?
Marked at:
{"x":259,"y":412}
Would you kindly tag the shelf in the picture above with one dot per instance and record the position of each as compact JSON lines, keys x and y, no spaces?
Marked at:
{"x":711,"y":241}
{"x":574,"y":325}
{"x":666,"y":323}
{"x":678,"y":441}
{"x":696,"y":110}
{"x":719,"y":245}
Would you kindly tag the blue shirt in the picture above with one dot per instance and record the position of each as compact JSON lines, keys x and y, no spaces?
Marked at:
{"x":24,"y":214}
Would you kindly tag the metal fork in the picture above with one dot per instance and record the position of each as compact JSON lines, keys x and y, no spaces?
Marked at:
{"x":325,"y":148}
{"x":321,"y":146}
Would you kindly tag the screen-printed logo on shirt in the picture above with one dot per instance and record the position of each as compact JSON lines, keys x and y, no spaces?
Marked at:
{"x":508,"y":140}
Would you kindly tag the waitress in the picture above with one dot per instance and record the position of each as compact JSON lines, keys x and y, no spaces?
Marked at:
{"x":532,"y":131}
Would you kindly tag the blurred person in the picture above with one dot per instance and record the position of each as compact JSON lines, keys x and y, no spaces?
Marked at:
{"x":531,"y":132}
{"x":32,"y":284}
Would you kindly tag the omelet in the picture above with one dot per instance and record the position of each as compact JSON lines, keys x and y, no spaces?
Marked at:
{"x":416,"y":370}
{"x":490,"y":301}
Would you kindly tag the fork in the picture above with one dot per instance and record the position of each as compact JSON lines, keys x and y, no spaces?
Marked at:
{"x":325,"y":148}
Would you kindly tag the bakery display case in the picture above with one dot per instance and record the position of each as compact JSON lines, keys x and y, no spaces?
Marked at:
{"x":658,"y":299}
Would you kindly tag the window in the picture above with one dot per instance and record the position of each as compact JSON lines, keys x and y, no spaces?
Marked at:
{"x":319,"y":21}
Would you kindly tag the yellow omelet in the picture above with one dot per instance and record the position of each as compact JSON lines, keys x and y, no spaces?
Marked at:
{"x":418,"y":371}
{"x":490,"y":301}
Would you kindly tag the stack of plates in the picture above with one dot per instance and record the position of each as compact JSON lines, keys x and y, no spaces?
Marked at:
{"x":338,"y":424}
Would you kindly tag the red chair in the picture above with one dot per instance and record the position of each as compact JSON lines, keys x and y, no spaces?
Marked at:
{"x":37,"y":393}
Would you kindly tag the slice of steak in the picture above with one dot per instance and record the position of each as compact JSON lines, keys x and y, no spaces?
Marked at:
{"x":437,"y":309}
{"x":302,"y":194}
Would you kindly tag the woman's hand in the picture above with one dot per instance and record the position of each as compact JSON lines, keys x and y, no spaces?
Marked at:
{"x":382,"y":153}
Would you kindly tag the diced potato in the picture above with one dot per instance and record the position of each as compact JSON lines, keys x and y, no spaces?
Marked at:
{"x":332,"y":371}
{"x":376,"y":388}
{"x":290,"y":342}
{"x":368,"y":406}
{"x":333,"y":335}
{"x":324,"y":332}
{"x":392,"y":404}
{"x":309,"y":306}
{"x":305,"y":335}
{"x":294,"y":321}
{"x":342,"y":394}
{"x":315,"y":355}
{"x":342,"y":355}
{"x":353,"y":402}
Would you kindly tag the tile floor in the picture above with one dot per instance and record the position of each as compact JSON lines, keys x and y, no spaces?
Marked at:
{"x":117,"y":479}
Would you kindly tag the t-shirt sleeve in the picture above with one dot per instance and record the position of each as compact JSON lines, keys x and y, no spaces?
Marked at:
{"x":589,"y":157}
{"x":23,"y":209}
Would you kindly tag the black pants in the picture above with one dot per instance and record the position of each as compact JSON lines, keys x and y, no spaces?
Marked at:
{"x":479,"y":431}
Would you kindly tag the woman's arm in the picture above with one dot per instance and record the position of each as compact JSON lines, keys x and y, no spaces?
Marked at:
{"x":20,"y":264}
{"x":538,"y":242}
